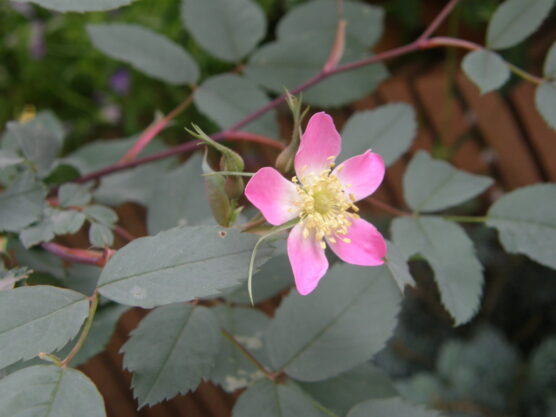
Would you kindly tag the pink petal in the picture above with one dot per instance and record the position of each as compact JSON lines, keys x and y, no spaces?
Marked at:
{"x":367,"y":246}
{"x":320,"y":143}
{"x":273,"y":195}
{"x":308,"y":260}
{"x":361,"y":174}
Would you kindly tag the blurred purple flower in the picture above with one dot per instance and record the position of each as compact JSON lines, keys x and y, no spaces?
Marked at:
{"x":120,"y":81}
{"x":37,"y":47}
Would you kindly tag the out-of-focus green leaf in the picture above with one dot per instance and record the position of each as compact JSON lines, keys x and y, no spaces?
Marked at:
{"x":431,"y":185}
{"x":486,"y":69}
{"x":545,"y":100}
{"x":515,"y":20}
{"x":148,"y":51}
{"x":74,"y":195}
{"x":187,"y":342}
{"x":396,"y":263}
{"x":22,"y":203}
{"x":100,"y":235}
{"x":227,"y":29}
{"x":388,"y":130}
{"x":79,"y":5}
{"x":526,"y":222}
{"x":228,"y":98}
{"x":391,"y":407}
{"x":549,"y":68}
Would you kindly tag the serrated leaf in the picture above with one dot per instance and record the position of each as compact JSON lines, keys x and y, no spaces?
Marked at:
{"x":341,"y":393}
{"x":515,"y":20}
{"x":177,"y":265}
{"x":486,"y":69}
{"x":74,"y":195}
{"x":38,"y":144}
{"x":22,"y":203}
{"x":432,"y":185}
{"x":67,"y":221}
{"x":232,"y":370}
{"x":363,"y":29}
{"x":273,"y":277}
{"x":48,"y":390}
{"x":146,"y":50}
{"x":388,"y":130}
{"x":526,"y":222}
{"x":227,"y":29}
{"x":178,"y":198}
{"x":353,"y":311}
{"x":228,"y":98}
{"x":391,"y":407}
{"x":38,"y":319}
{"x":9,"y":158}
{"x":274,"y":400}
{"x":100,"y":235}
{"x":79,"y":5}
{"x":451,"y":254}
{"x":549,"y":68}
{"x":290,"y":62}
{"x":545,"y":101}
{"x":37,"y":233}
{"x":101,"y":214}
{"x":396,"y":263}
{"x":187,"y":342}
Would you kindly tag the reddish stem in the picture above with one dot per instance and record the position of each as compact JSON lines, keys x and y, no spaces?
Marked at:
{"x":438,"y":20}
{"x":82,"y":256}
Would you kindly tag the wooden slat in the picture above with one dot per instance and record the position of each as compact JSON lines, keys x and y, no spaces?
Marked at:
{"x":500,"y":130}
{"x":540,"y":135}
{"x":447,"y":118}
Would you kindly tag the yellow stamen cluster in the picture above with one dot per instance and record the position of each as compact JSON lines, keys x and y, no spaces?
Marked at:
{"x":324,"y":206}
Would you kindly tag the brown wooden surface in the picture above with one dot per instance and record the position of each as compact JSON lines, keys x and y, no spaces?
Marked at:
{"x":491,"y":135}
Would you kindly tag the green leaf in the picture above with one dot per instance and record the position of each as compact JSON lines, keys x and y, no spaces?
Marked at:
{"x":218,"y":200}
{"x":363,"y":29}
{"x":391,"y":407}
{"x":101,"y":153}
{"x":178,"y":198}
{"x":146,"y":50}
{"x":187,"y":342}
{"x":67,"y":221}
{"x":432,"y":185}
{"x":273,"y":277}
{"x":549,"y":68}
{"x":38,"y":319}
{"x":100,"y":235}
{"x":48,"y":391}
{"x":38,"y":260}
{"x":545,"y":100}
{"x":396,"y":263}
{"x":9,"y":158}
{"x":37,"y":233}
{"x":101,"y":214}
{"x":341,"y":393}
{"x":388,"y":130}
{"x":290,"y":62}
{"x":228,"y":98}
{"x":22,"y":203}
{"x":232,"y":370}
{"x":38,"y":144}
{"x":9,"y":277}
{"x":227,"y":29}
{"x":177,"y":265}
{"x":526,"y":222}
{"x":515,"y":20}
{"x":270,"y":400}
{"x":74,"y":195}
{"x":353,"y":311}
{"x":486,"y":69}
{"x":81,"y":278}
{"x":79,"y":5}
{"x":451,"y":255}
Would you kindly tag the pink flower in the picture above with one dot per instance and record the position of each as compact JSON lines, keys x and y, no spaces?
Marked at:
{"x":322,"y":196}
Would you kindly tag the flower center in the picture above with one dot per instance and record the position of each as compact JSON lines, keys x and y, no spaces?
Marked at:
{"x":325,"y":206}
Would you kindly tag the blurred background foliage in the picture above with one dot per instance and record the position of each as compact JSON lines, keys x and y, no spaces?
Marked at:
{"x":502,"y":363}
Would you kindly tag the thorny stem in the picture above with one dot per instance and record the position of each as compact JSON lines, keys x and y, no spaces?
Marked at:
{"x":85,"y":332}
{"x":154,"y":129}
{"x":230,"y":337}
